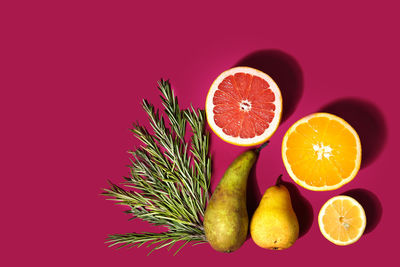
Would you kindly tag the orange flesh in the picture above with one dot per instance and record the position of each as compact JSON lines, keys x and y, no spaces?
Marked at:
{"x":243,"y":105}
{"x":321,"y":152}
{"x":342,"y":220}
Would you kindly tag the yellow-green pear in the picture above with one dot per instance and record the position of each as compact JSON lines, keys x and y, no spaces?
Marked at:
{"x":274,"y":224}
{"x":226,"y":221}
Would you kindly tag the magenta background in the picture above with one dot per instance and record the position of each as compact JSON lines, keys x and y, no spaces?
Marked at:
{"x":73,"y":74}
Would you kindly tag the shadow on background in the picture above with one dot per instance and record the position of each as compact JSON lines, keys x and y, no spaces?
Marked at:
{"x":285,"y":71}
{"x":302,"y":207}
{"x":367,"y":120}
{"x":371,"y":204}
{"x":253,"y":194}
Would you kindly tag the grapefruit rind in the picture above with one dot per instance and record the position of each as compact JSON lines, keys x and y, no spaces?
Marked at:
{"x":273,"y":126}
{"x":326,"y":187}
{"x":322,"y":213}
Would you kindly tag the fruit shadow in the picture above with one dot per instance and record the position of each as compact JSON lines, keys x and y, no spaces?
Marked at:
{"x":284,"y":70}
{"x":367,"y":120}
{"x":253,"y":194}
{"x":371,"y":204}
{"x":302,"y":207}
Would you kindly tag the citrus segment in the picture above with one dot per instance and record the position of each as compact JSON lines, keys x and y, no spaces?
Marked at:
{"x":342,"y":220}
{"x":321,"y":152}
{"x":244,"y":106}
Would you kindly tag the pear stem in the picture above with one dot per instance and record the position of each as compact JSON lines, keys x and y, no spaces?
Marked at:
{"x":262,"y":146}
{"x":279,"y":180}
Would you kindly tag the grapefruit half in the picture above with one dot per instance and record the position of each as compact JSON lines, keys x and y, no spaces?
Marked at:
{"x":244,"y":106}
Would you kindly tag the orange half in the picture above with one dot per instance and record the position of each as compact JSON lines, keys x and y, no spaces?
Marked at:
{"x":321,"y":152}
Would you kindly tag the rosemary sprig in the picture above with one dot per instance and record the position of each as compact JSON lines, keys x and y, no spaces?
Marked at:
{"x":169,"y":177}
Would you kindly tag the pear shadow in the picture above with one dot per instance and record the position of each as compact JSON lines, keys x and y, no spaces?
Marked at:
{"x":371,"y":204}
{"x":302,"y":207}
{"x":253,"y":194}
{"x":367,"y":120}
{"x":284,"y":70}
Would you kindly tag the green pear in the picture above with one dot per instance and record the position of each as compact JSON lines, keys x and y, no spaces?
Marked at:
{"x":226,"y":221}
{"x":274,"y":224}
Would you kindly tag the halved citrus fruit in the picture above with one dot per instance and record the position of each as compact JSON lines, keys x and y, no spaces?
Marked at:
{"x":244,"y":106}
{"x":342,"y":220}
{"x":321,"y":152}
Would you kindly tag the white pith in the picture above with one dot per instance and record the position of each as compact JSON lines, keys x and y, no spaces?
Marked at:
{"x":322,"y":150}
{"x":245,"y":105}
